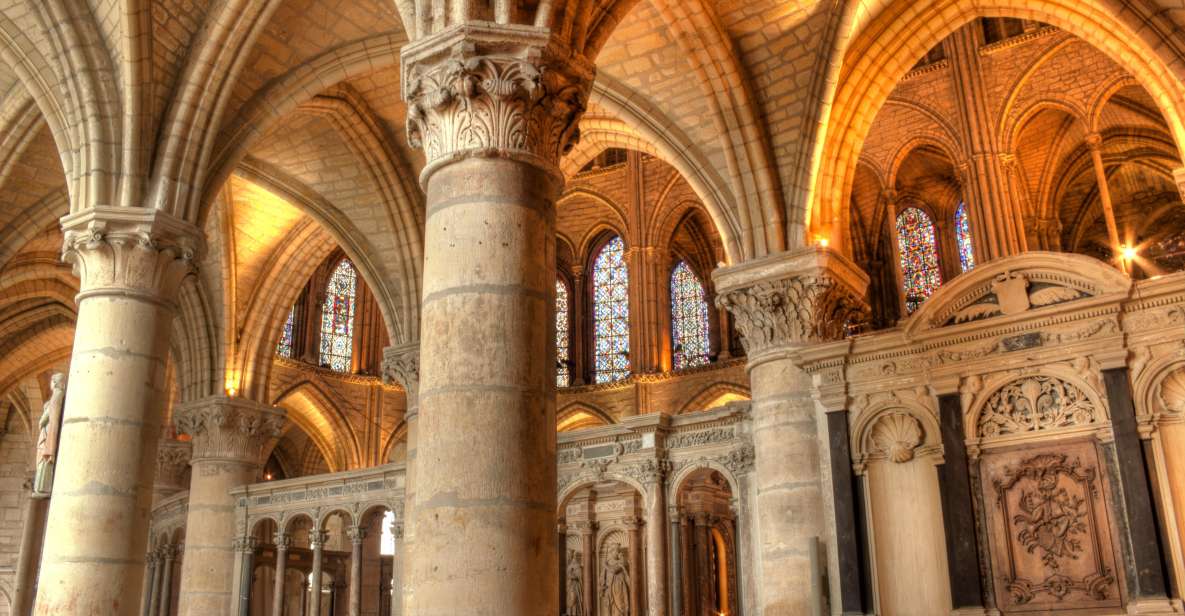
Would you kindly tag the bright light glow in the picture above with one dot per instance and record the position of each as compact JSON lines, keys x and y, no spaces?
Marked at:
{"x":1128,"y":252}
{"x":231,"y":391}
{"x":822,"y":242}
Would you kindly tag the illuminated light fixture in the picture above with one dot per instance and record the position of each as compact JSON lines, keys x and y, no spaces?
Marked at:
{"x":231,"y":391}
{"x":822,"y":242}
{"x":1128,"y":252}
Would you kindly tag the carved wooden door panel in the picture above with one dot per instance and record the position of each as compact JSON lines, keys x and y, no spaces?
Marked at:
{"x":1049,"y":529}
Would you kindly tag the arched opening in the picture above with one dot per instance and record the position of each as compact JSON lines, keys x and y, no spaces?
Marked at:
{"x":602,"y":552}
{"x":706,"y":576}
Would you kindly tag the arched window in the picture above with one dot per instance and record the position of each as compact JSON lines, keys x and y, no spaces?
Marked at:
{"x":919,"y":256}
{"x":337,"y":317}
{"x":963,"y":237}
{"x":562,"y":373}
{"x":284,"y":346}
{"x":689,"y":318}
{"x":611,"y":313}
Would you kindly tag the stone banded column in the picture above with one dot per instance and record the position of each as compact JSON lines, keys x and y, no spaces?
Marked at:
{"x":781,"y":304}
{"x":228,"y":434}
{"x":493,"y":107}
{"x":401,"y":364}
{"x":130,"y":263}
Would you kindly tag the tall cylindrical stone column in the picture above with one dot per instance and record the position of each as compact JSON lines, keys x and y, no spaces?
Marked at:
{"x":227,"y":434}
{"x":1094,"y":143}
{"x":283,"y":541}
{"x":130,"y":263}
{"x":317,"y":541}
{"x":168,"y":553}
{"x":397,"y":564}
{"x":656,"y":546}
{"x":244,"y":548}
{"x":357,"y":535}
{"x":151,"y":584}
{"x":782,"y":303}
{"x":494,"y":107}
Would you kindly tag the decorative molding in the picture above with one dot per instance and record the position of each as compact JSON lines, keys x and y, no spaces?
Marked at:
{"x":494,"y":91}
{"x":130,"y":251}
{"x":229,"y":429}
{"x":1035,"y":403}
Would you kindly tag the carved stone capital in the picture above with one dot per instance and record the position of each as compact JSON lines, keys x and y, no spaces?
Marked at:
{"x":130,"y":251}
{"x":282,"y":541}
{"x":793,"y":299}
{"x":401,"y":364}
{"x":356,"y":534}
{"x":318,"y":539}
{"x":230,"y":429}
{"x":172,"y":458}
{"x":245,"y":545}
{"x":493,"y":91}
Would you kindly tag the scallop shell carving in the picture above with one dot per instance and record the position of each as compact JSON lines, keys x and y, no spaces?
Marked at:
{"x":897,"y":435}
{"x":1172,"y":391}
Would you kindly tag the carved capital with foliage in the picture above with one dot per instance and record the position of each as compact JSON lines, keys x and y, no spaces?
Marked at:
{"x":172,"y":458}
{"x":229,"y":429}
{"x":401,"y":364}
{"x":793,"y":299}
{"x":494,"y":91}
{"x":130,"y":251}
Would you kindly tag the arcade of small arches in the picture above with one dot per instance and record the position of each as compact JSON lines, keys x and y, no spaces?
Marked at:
{"x":592,"y":308}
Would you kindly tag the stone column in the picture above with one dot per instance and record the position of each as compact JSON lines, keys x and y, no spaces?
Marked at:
{"x":484,"y":508}
{"x":157,"y":557}
{"x":397,"y":567}
{"x":781,"y":303}
{"x":283,"y":542}
{"x":317,"y":541}
{"x":357,"y":534}
{"x":244,"y":549}
{"x":130,"y":263}
{"x":676,"y":563}
{"x":687,"y":573}
{"x":656,"y":544}
{"x":588,"y":543}
{"x":577,"y":329}
{"x":227,"y":436}
{"x":635,"y":556}
{"x":401,"y":364}
{"x":1094,"y":143}
{"x":32,"y":538}
{"x":168,"y":553}
{"x":150,"y":573}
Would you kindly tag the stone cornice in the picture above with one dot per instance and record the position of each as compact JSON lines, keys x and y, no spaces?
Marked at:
{"x":228,"y":429}
{"x":130,"y":252}
{"x":792,"y":299}
{"x":492,"y":90}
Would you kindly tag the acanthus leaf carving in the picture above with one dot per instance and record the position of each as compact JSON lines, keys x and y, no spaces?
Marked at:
{"x":228,"y":428}
{"x":402,"y":365}
{"x":794,"y":310}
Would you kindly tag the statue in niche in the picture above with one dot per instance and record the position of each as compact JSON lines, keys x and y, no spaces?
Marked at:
{"x":50,"y":426}
{"x":575,"y":599}
{"x":615,"y":584}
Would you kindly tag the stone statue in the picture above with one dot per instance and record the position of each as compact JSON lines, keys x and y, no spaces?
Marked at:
{"x":575,"y":599}
{"x":615,"y":584}
{"x":47,"y":439}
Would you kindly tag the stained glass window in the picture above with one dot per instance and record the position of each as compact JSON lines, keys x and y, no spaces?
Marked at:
{"x":284,"y":346}
{"x":963,"y":236}
{"x":562,"y":376}
{"x":611,"y":313}
{"x":337,"y":317}
{"x":919,"y":256}
{"x":689,"y":318}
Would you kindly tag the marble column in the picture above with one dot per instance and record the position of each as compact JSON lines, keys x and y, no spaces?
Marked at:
{"x":781,"y":303}
{"x":32,"y":538}
{"x":227,"y":434}
{"x":401,"y":364}
{"x":130,"y":263}
{"x":656,"y":545}
{"x":317,"y":541}
{"x":357,"y":535}
{"x":244,"y":549}
{"x":484,"y":507}
{"x":283,"y":542}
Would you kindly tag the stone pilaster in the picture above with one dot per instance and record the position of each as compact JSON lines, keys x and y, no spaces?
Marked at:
{"x":782,"y":304}
{"x":494,"y":107}
{"x":130,"y":263}
{"x":228,"y":435}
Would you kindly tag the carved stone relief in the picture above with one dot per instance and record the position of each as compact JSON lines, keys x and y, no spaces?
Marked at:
{"x":1049,"y":530}
{"x":614,"y":587}
{"x":895,"y":436}
{"x":1035,"y":403}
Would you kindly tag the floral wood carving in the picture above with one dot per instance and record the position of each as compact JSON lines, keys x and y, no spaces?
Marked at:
{"x":1050,"y":537}
{"x":1035,"y":403}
